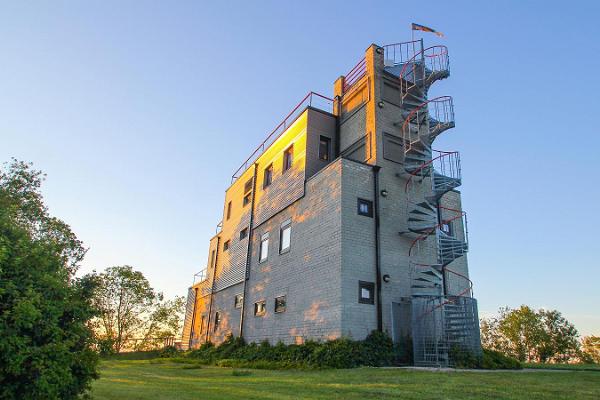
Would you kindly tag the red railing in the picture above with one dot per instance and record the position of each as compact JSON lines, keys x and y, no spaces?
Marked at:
{"x":400,"y":53}
{"x":355,"y":75}
{"x":460,"y":214}
{"x":434,"y":58}
{"x":443,"y":111}
{"x":448,"y":162}
{"x":312,"y":99}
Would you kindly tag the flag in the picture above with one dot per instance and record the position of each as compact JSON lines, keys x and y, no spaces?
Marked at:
{"x":417,"y":27}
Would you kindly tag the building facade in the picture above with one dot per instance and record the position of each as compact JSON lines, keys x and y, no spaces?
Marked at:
{"x":346,"y":220}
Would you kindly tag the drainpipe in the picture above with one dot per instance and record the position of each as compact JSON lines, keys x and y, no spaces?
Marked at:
{"x":376,"y":169}
{"x":248,"y":252}
{"x":212,"y":289}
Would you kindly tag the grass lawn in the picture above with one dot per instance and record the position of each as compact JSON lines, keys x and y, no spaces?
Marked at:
{"x":164,"y":379}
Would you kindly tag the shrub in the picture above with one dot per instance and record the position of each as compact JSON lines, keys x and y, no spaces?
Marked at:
{"x":168,"y":352}
{"x":495,"y":360}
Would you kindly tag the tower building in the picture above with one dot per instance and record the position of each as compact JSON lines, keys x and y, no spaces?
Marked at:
{"x":346,"y":220}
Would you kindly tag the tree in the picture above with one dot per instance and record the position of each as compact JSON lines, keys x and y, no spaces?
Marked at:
{"x":591,"y":348}
{"x":131,"y":309}
{"x":45,"y":343}
{"x":530,"y":335}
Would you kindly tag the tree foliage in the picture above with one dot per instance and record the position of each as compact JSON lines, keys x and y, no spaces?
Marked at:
{"x":590,"y":346}
{"x":531,"y":335}
{"x":45,"y":344}
{"x":131,"y":313}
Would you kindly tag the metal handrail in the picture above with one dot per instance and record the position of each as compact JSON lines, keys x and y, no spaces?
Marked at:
{"x":424,"y":55}
{"x":439,"y":99}
{"x":355,"y":75}
{"x":461,"y":214}
{"x":424,"y":165}
{"x":402,"y":49}
{"x":201,"y":275}
{"x":307,"y":101}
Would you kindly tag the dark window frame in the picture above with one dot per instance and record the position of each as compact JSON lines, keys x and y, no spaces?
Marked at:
{"x":327,"y":141}
{"x":228,"y":211}
{"x":263,"y":238}
{"x":201,"y":327}
{"x":226,"y":245}
{"x":217,"y":321}
{"x":370,"y":286}
{"x":278,"y":308}
{"x":248,"y":185}
{"x":368,"y":204}
{"x":238,"y":300}
{"x":288,"y":158}
{"x":285,"y":225}
{"x":243,"y":233}
{"x":247,"y":199}
{"x":258,"y":313}
{"x":268,"y":176}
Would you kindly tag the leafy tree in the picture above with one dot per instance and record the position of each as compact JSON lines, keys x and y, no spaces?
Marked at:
{"x":129,"y":308}
{"x":45,"y":343}
{"x":591,"y":348}
{"x":530,"y":335}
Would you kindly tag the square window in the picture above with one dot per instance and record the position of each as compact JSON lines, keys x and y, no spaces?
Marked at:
{"x":365,"y":207}
{"x":260,"y":308}
{"x":280,"y":303}
{"x":288,"y":158}
{"x":243,"y":233}
{"x":247,"y":199}
{"x":212,"y":258}
{"x":324,"y":148}
{"x":285,"y":236}
{"x":226,"y":245}
{"x":228,"y":210}
{"x":217,"y":320}
{"x":264,"y":247}
{"x":366,"y":292}
{"x":239,"y":299}
{"x":268,"y":176}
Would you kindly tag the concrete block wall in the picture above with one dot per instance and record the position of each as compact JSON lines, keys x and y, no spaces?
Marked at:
{"x":309,"y":274}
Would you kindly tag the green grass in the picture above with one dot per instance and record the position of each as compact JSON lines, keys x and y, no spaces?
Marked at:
{"x":569,"y":367}
{"x":163,"y":379}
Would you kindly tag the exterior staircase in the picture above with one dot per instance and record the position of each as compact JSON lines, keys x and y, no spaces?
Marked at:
{"x":441,"y":323}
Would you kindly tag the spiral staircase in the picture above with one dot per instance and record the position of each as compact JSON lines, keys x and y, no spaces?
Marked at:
{"x":442,"y":323}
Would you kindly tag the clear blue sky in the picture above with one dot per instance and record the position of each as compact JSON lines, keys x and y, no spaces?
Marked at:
{"x":139,"y":112}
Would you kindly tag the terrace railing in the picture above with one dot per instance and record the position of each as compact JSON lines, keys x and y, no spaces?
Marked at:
{"x":312,"y":99}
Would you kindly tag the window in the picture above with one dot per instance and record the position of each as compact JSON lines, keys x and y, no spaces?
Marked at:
{"x":264,"y":247}
{"x":226,"y":245}
{"x":365,"y":207}
{"x":268,"y":176}
{"x":280,"y":304}
{"x":248,"y":185}
{"x":201,"y":327}
{"x":447,"y":228}
{"x":288,"y":158}
{"x":285,"y":236}
{"x":243,"y":233}
{"x":324,"y":148}
{"x":228,"y":210}
{"x":260,"y":308}
{"x":217,"y":320}
{"x":366,"y":292}
{"x":239,"y":299}
{"x":247,"y":199}
{"x":212,"y":258}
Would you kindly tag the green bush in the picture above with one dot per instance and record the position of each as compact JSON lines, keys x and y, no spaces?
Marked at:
{"x":168,"y":352}
{"x":376,"y":350}
{"x":495,"y":360}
